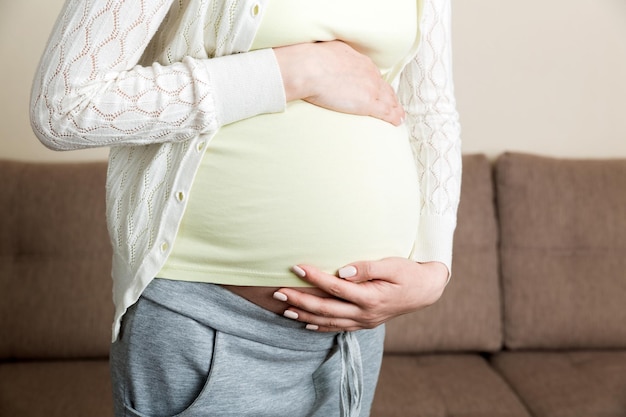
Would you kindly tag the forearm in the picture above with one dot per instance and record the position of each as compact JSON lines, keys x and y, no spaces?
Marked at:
{"x":427,"y":92}
{"x":90,"y":91}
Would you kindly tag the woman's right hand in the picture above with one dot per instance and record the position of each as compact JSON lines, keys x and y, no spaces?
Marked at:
{"x":335,"y":76}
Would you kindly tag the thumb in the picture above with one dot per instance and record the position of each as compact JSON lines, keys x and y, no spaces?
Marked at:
{"x":368,"y":270}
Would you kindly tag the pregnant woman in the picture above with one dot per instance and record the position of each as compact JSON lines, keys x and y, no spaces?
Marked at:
{"x":283,"y":179}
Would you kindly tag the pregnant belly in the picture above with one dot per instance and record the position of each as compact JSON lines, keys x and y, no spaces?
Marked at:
{"x":304,"y":186}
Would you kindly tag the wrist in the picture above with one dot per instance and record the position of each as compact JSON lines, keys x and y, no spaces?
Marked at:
{"x":294,"y":69}
{"x":438,"y":276}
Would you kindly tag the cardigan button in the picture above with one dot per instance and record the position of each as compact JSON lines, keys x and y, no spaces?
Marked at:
{"x":255,"y":10}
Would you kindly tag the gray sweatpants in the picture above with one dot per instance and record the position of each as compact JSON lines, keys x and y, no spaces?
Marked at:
{"x":194,"y":349}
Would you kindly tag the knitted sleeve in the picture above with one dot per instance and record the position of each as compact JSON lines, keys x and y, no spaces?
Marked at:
{"x":91,"y":91}
{"x":427,"y":93}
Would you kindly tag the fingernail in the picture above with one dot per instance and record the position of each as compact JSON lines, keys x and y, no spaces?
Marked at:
{"x":290,"y":314}
{"x":280,"y":296}
{"x":312,"y":327}
{"x":298,"y":271}
{"x":347,"y":272}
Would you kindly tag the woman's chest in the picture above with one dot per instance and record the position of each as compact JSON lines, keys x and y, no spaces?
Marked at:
{"x":382,"y":30}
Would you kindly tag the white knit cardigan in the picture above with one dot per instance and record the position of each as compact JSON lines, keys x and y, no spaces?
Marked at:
{"x":155,"y":79}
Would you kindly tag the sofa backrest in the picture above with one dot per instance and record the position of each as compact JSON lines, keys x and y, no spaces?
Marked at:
{"x":563,"y":251}
{"x":55,"y":261}
{"x":468,"y":316}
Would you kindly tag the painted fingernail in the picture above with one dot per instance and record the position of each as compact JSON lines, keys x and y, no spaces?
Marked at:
{"x":347,"y":271}
{"x":290,"y":314}
{"x":298,"y":271}
{"x":312,"y":327}
{"x":280,"y":296}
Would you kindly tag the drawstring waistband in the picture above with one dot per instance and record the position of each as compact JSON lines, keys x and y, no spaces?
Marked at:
{"x":351,"y":374}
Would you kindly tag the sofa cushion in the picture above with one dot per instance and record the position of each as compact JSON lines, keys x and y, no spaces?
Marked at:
{"x":562,"y":384}
{"x":56,"y":389}
{"x":468,"y":316}
{"x":55,"y":261}
{"x":441,"y":386}
{"x":563,"y":251}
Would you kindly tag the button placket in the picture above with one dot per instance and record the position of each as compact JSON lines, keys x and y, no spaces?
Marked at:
{"x":180,"y":198}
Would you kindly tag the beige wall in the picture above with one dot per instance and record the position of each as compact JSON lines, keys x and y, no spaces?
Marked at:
{"x":546,"y":77}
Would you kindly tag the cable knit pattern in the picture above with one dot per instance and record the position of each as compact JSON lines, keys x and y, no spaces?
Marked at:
{"x":93,"y":94}
{"x":154,"y":81}
{"x":426,"y":91}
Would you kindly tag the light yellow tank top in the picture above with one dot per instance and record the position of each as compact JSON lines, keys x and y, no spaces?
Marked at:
{"x":308,"y":185}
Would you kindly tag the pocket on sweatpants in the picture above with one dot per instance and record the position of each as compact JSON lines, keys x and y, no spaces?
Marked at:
{"x":249,"y":378}
{"x":167,"y":360}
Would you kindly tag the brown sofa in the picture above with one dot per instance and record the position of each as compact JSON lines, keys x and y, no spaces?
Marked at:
{"x":533,"y":322}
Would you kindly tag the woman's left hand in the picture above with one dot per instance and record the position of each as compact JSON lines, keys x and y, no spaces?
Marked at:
{"x":365,"y":294}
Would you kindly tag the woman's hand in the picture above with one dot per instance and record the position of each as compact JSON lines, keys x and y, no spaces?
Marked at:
{"x":335,"y":76}
{"x":364,"y":294}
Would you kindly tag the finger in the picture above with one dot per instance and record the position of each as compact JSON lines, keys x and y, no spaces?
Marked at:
{"x":325,"y":329}
{"x":321,"y":314}
{"x":387,"y":106}
{"x":321,"y":323}
{"x":327,"y":319}
{"x":361,"y":271}
{"x":336,"y":287}
{"x":315,"y":305}
{"x":386,"y":111}
{"x":386,"y":114}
